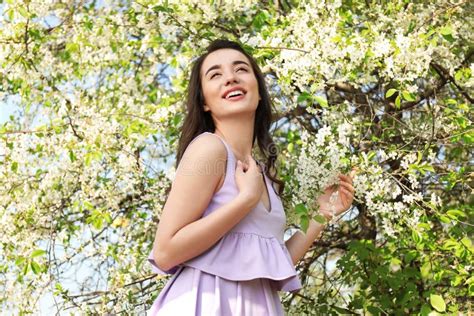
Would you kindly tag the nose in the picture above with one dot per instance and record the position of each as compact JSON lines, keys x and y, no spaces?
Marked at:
{"x":230,"y":77}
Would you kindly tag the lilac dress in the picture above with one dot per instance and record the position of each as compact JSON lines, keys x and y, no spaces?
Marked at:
{"x":240,"y":274}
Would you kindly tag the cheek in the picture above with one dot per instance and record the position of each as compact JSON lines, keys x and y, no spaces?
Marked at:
{"x":254,"y":82}
{"x":209,"y":90}
{"x":255,"y":85}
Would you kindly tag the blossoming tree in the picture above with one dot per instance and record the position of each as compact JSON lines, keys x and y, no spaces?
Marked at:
{"x":96,"y":89}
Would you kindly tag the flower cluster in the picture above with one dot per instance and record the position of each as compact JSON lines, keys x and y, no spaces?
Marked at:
{"x":322,"y":158}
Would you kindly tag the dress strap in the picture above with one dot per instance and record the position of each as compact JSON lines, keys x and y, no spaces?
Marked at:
{"x":230,"y":153}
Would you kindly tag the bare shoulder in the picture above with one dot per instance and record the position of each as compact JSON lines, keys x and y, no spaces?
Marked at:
{"x":206,"y":153}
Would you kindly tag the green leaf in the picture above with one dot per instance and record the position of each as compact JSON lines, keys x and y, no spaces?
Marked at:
{"x":466,"y":242}
{"x":26,"y":267}
{"x":419,"y":156}
{"x":416,"y":236}
{"x":304,"y":221}
{"x":446,"y":31}
{"x":425,"y":226}
{"x":14,"y":166}
{"x":363,"y":253}
{"x":35,"y":267}
{"x":390,"y":92}
{"x":444,"y":219}
{"x":301,"y":209}
{"x":397,"y":102}
{"x":23,"y":12}
{"x":463,"y":107}
{"x":88,"y":205}
{"x":160,"y":8}
{"x":336,"y":39}
{"x":108,"y":218}
{"x":426,"y":167}
{"x":92,"y":156}
{"x":373,"y":310}
{"x":320,"y":219}
{"x":259,"y":20}
{"x":371,"y":155}
{"x":59,"y":289}
{"x":97,"y":222}
{"x":454,"y":214}
{"x":451,"y":102}
{"x":449,"y":38}
{"x":19,"y":261}
{"x":425,"y":269}
{"x":425,"y":310}
{"x":11,"y":14}
{"x":411,"y":27}
{"x":341,"y":310}
{"x":437,"y":302}
{"x":72,"y":157}
{"x":322,"y":101}
{"x":38,"y":252}
{"x":410,"y":255}
{"x":456,"y":281}
{"x":87,"y":159}
{"x":408,"y":96}
{"x":450,"y":244}
{"x":303,"y":97}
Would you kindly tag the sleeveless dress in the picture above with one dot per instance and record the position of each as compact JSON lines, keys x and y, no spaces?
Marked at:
{"x":242,"y":273}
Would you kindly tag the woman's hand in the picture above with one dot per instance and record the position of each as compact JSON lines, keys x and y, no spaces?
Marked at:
{"x":248,"y":178}
{"x":343,"y":200}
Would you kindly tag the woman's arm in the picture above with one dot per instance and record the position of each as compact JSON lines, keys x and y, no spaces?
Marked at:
{"x":299,"y":242}
{"x":182,"y":234}
{"x":198,"y":236}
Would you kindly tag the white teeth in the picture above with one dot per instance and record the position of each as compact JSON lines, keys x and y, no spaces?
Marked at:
{"x":234,"y":93}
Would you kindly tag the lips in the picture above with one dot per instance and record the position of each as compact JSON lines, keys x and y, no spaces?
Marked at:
{"x":224,"y":96}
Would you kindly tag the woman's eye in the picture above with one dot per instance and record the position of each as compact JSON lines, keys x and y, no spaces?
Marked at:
{"x":215,"y":74}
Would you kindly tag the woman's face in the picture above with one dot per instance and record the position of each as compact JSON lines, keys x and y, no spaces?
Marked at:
{"x":228,"y":83}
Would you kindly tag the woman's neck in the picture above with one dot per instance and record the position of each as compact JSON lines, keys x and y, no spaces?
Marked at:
{"x":238,"y":133}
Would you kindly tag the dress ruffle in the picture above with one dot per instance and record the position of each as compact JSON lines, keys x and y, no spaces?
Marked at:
{"x":241,"y":256}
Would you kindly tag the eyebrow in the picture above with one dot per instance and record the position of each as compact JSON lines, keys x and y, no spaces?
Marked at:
{"x":236,"y":62}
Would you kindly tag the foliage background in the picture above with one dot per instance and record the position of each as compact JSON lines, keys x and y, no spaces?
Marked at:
{"x":96,"y":91}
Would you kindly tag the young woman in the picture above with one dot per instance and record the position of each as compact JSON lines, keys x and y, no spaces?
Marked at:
{"x":221,"y":229}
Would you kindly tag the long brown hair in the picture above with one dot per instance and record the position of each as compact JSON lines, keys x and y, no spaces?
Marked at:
{"x":198,"y":121}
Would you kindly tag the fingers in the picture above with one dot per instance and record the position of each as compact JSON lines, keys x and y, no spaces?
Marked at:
{"x":252,"y":164}
{"x":347,"y":186}
{"x":240,"y":166}
{"x":351,"y":175}
{"x":353,"y":172}
{"x":345,"y":178}
{"x":347,"y":193}
{"x":248,"y":164}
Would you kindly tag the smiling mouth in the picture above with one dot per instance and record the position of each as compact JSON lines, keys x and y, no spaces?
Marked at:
{"x":235,"y":93}
{"x":235,"y":98}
